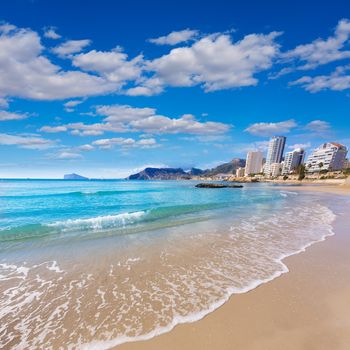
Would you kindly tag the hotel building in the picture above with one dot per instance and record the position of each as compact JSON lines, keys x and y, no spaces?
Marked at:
{"x":329,"y":156}
{"x":253,"y":163}
{"x":240,"y":172}
{"x":274,"y":153}
{"x":292,"y":160}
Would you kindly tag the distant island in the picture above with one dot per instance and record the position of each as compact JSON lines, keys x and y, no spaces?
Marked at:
{"x":74,"y":177}
{"x":180,"y":174}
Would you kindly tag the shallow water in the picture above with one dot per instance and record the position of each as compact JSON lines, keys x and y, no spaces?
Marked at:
{"x":98,"y":263}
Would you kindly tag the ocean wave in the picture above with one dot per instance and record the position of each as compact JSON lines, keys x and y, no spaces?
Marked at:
{"x":100,"y":222}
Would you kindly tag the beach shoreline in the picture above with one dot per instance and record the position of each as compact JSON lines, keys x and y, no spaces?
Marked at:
{"x":306,"y":308}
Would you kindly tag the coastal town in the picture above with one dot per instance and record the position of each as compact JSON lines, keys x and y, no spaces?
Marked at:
{"x":328,"y":161}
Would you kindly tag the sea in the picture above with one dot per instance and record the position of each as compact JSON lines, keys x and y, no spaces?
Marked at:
{"x":95,"y":264}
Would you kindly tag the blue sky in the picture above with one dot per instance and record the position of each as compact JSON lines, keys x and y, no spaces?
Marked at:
{"x":106,"y":88}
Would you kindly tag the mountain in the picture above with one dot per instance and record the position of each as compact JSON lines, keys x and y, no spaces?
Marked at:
{"x":226,"y":168}
{"x":160,"y":174}
{"x":74,"y":177}
{"x":196,"y":172}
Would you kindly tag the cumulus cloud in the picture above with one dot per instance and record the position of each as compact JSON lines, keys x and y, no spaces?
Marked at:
{"x":71,"y":46}
{"x":5,"y":116}
{"x":26,"y":73}
{"x":318,"y":126}
{"x":26,"y":141}
{"x":175,"y":37}
{"x":270,"y":129}
{"x":125,"y":143}
{"x":336,"y":81}
{"x":300,"y":145}
{"x":50,"y":33}
{"x":69,"y":106}
{"x":322,"y":51}
{"x":86,"y":147}
{"x":54,"y":129}
{"x":147,"y":120}
{"x":112,"y":65}
{"x":124,"y":118}
{"x":215,"y":62}
{"x":69,"y":155}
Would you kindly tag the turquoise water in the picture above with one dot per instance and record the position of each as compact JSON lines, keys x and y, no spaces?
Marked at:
{"x":57,"y":209}
{"x":94,"y":264}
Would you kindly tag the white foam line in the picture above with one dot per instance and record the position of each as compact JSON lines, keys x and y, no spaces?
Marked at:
{"x":98,"y":345}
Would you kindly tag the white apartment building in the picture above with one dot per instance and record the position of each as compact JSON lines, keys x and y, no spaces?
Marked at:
{"x":275,"y":152}
{"x":240,"y":172}
{"x":253,"y":163}
{"x":276,"y":169}
{"x":329,"y":156}
{"x":292,"y":160}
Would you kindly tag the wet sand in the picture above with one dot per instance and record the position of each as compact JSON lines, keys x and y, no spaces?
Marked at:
{"x":307,"y":308}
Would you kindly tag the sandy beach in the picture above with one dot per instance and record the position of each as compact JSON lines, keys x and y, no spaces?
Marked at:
{"x":307,"y":308}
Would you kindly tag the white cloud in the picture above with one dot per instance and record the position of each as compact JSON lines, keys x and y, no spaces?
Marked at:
{"x":270,"y":129}
{"x":322,"y":51}
{"x":125,"y":143}
{"x":86,"y":147}
{"x":24,"y":141}
{"x":300,"y":145}
{"x":147,"y":120}
{"x":124,"y":113}
{"x":7,"y":27}
{"x":5,"y":116}
{"x":337,"y":81}
{"x":318,"y":126}
{"x":124,"y":118}
{"x":26,"y":73}
{"x":53,"y":129}
{"x":69,"y":106}
{"x":175,"y":37}
{"x":51,"y":33}
{"x":112,"y":65}
{"x":69,"y":155}
{"x":81,"y":129}
{"x":215,"y":62}
{"x":70,"y":47}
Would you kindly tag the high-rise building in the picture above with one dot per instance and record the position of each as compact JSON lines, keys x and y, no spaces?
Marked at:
{"x":292,"y":160}
{"x":274,"y":152}
{"x":253,"y":163}
{"x":329,"y":156}
{"x":240,"y":172}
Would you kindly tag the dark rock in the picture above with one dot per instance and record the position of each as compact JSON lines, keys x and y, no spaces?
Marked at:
{"x":213,"y":185}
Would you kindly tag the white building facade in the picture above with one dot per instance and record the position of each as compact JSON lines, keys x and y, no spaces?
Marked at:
{"x":329,"y":156}
{"x":276,"y":169}
{"x":274,"y":153}
{"x":240,"y":172}
{"x":253,"y":163}
{"x":292,"y":160}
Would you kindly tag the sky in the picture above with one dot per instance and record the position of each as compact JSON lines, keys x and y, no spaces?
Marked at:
{"x":107,"y":88}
